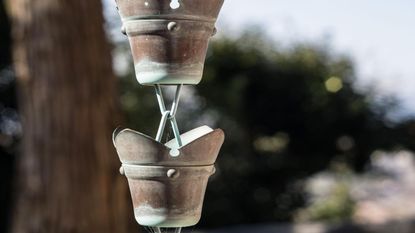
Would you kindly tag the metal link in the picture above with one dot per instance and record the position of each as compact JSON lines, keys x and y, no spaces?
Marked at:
{"x":176,"y":131}
{"x":175,"y":103}
{"x":168,"y":114}
{"x":160,"y":99}
{"x":160,"y":230}
{"x":163,"y":121}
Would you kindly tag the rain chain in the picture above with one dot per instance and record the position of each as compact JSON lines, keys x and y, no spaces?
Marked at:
{"x":167,"y":181}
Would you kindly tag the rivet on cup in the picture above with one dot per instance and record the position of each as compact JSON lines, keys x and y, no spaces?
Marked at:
{"x":172,"y":26}
{"x":123,"y":30}
{"x":122,"y":170}
{"x":172,"y":173}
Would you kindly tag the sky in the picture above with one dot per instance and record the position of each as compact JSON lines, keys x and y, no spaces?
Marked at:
{"x":378,"y":34}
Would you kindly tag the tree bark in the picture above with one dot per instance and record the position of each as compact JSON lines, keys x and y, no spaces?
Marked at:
{"x":68,"y":177}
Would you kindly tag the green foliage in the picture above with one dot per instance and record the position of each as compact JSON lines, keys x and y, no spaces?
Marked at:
{"x":287,"y":114}
{"x":335,"y":207}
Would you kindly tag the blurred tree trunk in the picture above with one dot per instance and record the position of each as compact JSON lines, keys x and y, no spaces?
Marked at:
{"x":68,"y":177}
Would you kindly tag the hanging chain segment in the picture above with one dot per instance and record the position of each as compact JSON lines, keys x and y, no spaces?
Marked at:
{"x":168,"y":114}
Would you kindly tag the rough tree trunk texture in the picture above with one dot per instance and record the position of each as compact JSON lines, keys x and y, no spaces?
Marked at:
{"x":68,"y":171}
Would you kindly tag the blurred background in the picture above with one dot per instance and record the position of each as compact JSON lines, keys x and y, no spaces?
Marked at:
{"x":316,"y":99}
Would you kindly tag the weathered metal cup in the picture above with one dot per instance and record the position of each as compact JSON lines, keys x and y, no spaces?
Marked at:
{"x":166,"y":190}
{"x":169,"y":44}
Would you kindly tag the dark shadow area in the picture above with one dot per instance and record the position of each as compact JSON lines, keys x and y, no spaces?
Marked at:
{"x":9,"y":121}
